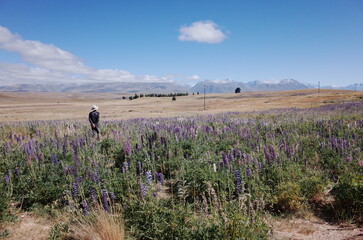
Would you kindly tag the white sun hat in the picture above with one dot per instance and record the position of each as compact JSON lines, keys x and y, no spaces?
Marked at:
{"x":94,"y":107}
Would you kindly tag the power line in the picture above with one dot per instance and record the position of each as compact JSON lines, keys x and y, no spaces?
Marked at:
{"x":204,"y":96}
{"x":319,"y":87}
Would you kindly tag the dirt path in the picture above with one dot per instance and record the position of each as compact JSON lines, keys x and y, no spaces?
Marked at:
{"x":303,"y":229}
{"x":27,"y":227}
{"x":30,"y":227}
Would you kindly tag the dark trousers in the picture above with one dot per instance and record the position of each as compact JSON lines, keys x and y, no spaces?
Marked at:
{"x":96,"y":129}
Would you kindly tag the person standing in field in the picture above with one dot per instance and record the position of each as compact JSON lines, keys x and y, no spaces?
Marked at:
{"x":94,"y":119}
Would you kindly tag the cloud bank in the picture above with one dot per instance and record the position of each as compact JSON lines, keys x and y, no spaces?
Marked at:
{"x":42,"y":55}
{"x":48,"y":63}
{"x":203,"y":31}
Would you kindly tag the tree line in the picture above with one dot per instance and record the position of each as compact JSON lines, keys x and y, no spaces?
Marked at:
{"x":173,"y":95}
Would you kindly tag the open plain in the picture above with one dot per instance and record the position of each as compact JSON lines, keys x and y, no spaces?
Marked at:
{"x":75,"y":106}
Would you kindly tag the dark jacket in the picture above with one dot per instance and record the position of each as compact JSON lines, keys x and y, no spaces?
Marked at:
{"x":94,"y":117}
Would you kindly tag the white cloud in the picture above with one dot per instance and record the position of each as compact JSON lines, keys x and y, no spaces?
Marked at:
{"x":203,"y":31}
{"x":21,"y":73}
{"x":109,"y":74}
{"x":52,"y":64}
{"x":42,"y":55}
{"x":194,"y":77}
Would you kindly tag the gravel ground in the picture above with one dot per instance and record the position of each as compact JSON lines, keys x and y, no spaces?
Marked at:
{"x":309,"y":229}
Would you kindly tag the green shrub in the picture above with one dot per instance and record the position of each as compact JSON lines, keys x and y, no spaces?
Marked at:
{"x":288,"y":197}
{"x":348,"y":194}
{"x":312,"y":187}
{"x":4,"y":202}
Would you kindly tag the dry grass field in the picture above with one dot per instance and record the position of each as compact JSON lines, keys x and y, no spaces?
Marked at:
{"x":76,"y":106}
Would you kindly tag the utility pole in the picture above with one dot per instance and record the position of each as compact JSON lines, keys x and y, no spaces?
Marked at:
{"x":319,"y":87}
{"x":204,"y":96}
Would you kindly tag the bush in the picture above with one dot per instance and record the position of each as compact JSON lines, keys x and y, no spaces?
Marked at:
{"x":163,"y":219}
{"x":288,"y":197}
{"x":348,"y":194}
{"x":312,"y":187}
{"x":4,"y":203}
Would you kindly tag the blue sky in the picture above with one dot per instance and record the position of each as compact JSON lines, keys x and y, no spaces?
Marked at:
{"x":182,"y":41}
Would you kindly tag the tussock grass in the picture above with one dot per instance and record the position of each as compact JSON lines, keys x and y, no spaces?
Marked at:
{"x":98,"y":225}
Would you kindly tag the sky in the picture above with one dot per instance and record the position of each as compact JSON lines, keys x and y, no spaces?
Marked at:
{"x":181,"y":41}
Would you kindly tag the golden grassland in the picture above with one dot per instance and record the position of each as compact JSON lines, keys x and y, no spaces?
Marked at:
{"x":76,"y":106}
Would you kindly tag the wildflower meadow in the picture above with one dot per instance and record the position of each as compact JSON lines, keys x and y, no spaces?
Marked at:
{"x":202,"y":177}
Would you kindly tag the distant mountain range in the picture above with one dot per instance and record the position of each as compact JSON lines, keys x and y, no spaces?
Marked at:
{"x":229,"y":86}
{"x":97,"y":87}
{"x":210,"y":86}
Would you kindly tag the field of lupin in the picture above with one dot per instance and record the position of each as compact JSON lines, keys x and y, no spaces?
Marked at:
{"x":202,"y":177}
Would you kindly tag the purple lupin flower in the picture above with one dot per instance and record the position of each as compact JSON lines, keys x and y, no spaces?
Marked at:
{"x":94,"y":163}
{"x":85,"y":208}
{"x":272,"y":152}
{"x":127,"y":148}
{"x":249,"y":158}
{"x":239,"y":154}
{"x":259,"y":164}
{"x":54,"y":159}
{"x":234,"y":153}
{"x":74,"y":190}
{"x":160,"y":177}
{"x":106,"y":206}
{"x":267,"y":155}
{"x":95,"y":176}
{"x":148,"y":177}
{"x":248,"y":173}
{"x":70,"y":170}
{"x":125,"y":167}
{"x":18,"y":171}
{"x":19,"y":140}
{"x":225,"y":160}
{"x":230,"y":157}
{"x":58,"y":144}
{"x":77,"y":161}
{"x":7,"y":179}
{"x":112,"y":196}
{"x":75,"y":147}
{"x":92,"y":194}
{"x":237,"y":182}
{"x":143,"y":190}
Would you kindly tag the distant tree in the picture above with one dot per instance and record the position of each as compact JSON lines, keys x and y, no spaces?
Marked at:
{"x":238,"y":90}
{"x":123,"y":97}
{"x":174,"y":98}
{"x":141,"y":95}
{"x":130,"y":98}
{"x":136,"y":96}
{"x":197,"y":93}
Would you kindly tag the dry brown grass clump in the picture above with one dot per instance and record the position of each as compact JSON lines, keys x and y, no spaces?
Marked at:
{"x":98,"y":225}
